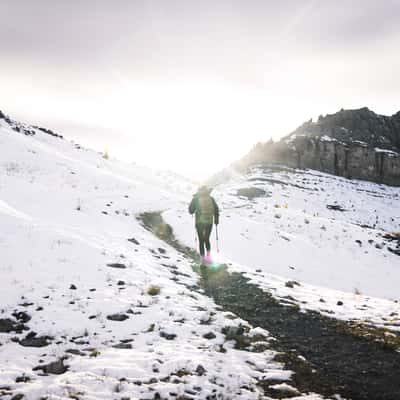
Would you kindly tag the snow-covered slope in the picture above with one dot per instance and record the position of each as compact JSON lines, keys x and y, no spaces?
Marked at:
{"x":324,"y":232}
{"x":74,"y":286}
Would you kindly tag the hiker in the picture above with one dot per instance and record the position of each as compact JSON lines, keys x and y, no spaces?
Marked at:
{"x":206,"y":212}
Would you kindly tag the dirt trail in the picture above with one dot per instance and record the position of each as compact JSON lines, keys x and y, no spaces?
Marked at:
{"x":338,"y":360}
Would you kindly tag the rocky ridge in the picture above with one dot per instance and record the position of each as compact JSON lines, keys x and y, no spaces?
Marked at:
{"x":26,"y":129}
{"x":356,"y":144}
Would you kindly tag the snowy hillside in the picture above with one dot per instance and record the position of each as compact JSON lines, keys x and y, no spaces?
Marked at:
{"x":93,"y":306}
{"x":319,"y":239}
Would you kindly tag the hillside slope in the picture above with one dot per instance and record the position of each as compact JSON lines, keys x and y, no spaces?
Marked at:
{"x":93,"y":306}
{"x":328,"y":234}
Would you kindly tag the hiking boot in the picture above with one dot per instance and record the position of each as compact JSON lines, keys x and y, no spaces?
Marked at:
{"x":207,"y":260}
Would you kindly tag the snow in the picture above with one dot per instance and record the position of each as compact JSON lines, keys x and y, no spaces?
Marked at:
{"x":66,"y":212}
{"x":326,"y":138}
{"x":361,"y":143}
{"x":389,"y":152}
{"x":290,"y":234}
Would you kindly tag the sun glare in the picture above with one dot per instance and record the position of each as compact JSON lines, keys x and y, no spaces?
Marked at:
{"x":190,"y":125}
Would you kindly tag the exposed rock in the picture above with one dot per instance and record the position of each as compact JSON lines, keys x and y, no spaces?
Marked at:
{"x":23,"y":379}
{"x":200,"y":370}
{"x":21,"y":316}
{"x":394,"y":238}
{"x":7,"y":325}
{"x":117,"y":317}
{"x":49,"y":132}
{"x":26,"y":304}
{"x":133,"y":240}
{"x":18,"y":396}
{"x":335,"y":207}
{"x":351,"y":143}
{"x":75,"y":352}
{"x":123,"y":346}
{"x":168,"y":336}
{"x":209,"y":335}
{"x":54,"y":368}
{"x":292,"y":284}
{"x":72,"y":287}
{"x":251,"y":192}
{"x":25,"y":128}
{"x":394,"y":251}
{"x":116,"y":265}
{"x":238,"y":334}
{"x":31,"y":340}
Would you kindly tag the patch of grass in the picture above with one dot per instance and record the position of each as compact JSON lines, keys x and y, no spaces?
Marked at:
{"x":94,"y":353}
{"x":153,"y":221}
{"x":151,"y":328}
{"x":296,"y":307}
{"x":153,"y":290}
{"x":384,"y":336}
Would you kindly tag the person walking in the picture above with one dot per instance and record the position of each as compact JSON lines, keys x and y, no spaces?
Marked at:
{"x":206,"y":213}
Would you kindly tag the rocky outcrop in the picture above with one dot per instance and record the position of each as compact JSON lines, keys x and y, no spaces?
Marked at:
{"x":27,"y":130}
{"x":351,"y":143}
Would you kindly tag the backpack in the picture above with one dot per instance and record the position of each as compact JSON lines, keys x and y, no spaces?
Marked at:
{"x":206,"y":209}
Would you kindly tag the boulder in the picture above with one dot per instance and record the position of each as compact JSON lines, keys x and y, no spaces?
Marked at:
{"x":117,"y":317}
{"x":54,"y":368}
{"x":251,"y":192}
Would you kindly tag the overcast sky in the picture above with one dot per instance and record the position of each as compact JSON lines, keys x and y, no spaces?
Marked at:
{"x":192,"y":85}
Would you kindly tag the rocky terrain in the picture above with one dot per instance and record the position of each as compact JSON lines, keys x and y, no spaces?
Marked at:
{"x":356,"y":144}
{"x":329,"y":356}
{"x":24,"y":128}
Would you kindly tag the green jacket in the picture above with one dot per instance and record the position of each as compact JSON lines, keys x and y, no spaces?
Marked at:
{"x":205,"y":209}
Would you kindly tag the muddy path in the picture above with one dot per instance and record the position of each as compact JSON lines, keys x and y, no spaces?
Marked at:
{"x":340,"y":359}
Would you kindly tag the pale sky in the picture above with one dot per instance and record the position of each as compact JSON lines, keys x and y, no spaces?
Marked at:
{"x":192,"y":85}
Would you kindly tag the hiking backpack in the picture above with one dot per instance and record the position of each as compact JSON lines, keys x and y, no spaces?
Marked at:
{"x":206,"y":209}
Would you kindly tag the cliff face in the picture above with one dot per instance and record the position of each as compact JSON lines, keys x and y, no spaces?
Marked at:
{"x":351,"y":143}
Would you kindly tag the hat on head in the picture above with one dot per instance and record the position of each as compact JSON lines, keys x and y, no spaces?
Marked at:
{"x":204,"y":189}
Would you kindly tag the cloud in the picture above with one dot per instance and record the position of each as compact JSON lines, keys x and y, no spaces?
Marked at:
{"x":290,"y":60}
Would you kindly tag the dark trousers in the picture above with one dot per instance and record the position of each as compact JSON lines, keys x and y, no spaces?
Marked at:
{"x":204,"y":232}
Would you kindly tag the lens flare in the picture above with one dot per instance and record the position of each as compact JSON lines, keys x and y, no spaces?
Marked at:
{"x":215,"y":266}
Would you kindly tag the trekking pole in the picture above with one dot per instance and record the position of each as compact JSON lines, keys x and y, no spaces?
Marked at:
{"x":216,"y":231}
